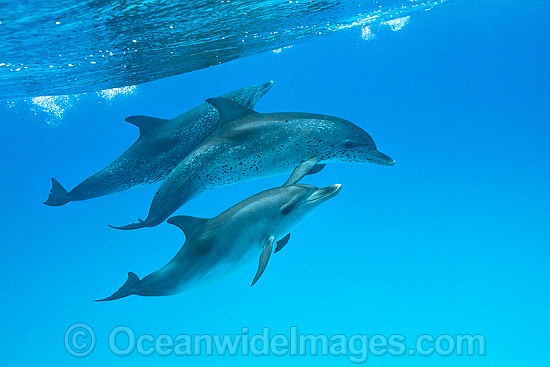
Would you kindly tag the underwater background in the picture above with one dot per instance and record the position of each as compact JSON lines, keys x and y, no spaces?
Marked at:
{"x":453,"y":239}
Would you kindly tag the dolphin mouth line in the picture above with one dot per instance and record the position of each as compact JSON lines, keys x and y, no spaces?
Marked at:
{"x":374,"y":156}
{"x":381,"y":163}
{"x":336,"y":189}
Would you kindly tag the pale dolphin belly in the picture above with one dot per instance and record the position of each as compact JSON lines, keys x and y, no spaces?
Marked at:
{"x":198,"y":264}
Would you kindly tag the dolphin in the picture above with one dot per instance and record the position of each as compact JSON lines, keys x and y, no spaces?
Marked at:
{"x":162,"y":144}
{"x":249,"y":145}
{"x":217,"y":246}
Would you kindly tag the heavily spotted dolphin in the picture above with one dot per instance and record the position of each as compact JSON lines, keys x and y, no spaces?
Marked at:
{"x":217,"y":246}
{"x":250,"y":145}
{"x":161,"y":146}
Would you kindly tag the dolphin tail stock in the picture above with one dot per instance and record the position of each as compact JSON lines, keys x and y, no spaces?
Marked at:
{"x":126,"y":290}
{"x":58,"y":195}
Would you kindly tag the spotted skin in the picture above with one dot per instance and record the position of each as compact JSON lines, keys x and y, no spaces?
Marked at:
{"x":158,"y":150}
{"x":260,"y":145}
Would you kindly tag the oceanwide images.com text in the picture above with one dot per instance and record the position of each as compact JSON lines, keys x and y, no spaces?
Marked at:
{"x":81,"y":341}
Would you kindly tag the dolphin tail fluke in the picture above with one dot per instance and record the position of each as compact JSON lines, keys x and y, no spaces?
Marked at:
{"x":140,"y":224}
{"x":58,"y":195}
{"x":126,"y":290}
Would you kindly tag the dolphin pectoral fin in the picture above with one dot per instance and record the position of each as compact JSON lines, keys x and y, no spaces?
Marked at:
{"x":304,"y":169}
{"x":229,"y":110}
{"x":145,"y":123}
{"x":282,"y":243}
{"x":187,"y":223}
{"x":264,"y":258}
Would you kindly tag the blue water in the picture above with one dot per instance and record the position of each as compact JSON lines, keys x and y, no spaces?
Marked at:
{"x":453,"y":239}
{"x":101,"y":44}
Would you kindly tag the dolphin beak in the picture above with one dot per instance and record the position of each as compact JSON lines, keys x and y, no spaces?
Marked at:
{"x":264,"y":88}
{"x":379,"y":158}
{"x":321,"y":195}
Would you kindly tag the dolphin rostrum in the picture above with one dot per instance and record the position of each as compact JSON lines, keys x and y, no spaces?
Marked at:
{"x":162,"y":144}
{"x":249,"y":145}
{"x":217,"y":246}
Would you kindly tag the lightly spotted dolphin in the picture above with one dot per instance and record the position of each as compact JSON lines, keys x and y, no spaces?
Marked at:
{"x":249,"y":145}
{"x":162,"y":144}
{"x":217,"y":246}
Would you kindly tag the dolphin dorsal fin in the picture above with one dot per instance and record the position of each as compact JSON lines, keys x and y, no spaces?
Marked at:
{"x":145,"y":123}
{"x":187,"y":224}
{"x":230,"y":110}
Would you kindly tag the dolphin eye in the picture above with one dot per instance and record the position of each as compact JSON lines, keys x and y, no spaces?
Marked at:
{"x":348,"y":144}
